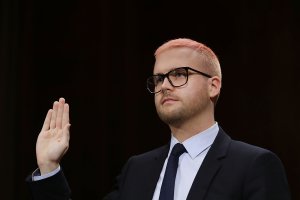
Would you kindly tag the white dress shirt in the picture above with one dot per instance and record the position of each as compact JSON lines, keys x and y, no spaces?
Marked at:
{"x":189,"y":162}
{"x":36,"y":175}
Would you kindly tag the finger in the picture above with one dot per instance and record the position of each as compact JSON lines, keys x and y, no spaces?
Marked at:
{"x":47,"y":120}
{"x":53,"y":116}
{"x":66,"y":135}
{"x":60,"y":113}
{"x":65,"y":117}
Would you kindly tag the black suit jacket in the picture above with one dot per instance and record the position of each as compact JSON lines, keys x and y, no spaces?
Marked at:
{"x":231,"y":170}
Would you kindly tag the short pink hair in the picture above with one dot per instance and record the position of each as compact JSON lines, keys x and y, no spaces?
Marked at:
{"x":210,"y":61}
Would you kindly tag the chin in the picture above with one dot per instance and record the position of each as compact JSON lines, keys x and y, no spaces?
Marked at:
{"x":170,"y":117}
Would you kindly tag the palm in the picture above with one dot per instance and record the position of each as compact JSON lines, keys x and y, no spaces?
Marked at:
{"x":53,"y":140}
{"x":50,"y":145}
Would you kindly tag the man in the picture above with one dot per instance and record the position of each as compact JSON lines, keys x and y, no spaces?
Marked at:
{"x":210,"y":165}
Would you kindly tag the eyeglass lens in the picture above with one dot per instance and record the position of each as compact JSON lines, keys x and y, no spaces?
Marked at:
{"x":176,"y":77}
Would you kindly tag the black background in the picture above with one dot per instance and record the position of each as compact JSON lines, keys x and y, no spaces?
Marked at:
{"x":97,"y":54}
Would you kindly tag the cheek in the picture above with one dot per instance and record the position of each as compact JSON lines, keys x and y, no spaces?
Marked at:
{"x":156,"y":100}
{"x":196,"y":92}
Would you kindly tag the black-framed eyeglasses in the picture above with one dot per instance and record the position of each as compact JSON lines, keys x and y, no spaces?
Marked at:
{"x":177,"y":78}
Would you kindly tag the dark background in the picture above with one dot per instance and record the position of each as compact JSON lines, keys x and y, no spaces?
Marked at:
{"x":97,"y":54}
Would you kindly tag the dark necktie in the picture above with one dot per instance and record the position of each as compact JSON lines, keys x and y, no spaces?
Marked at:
{"x":167,"y":187}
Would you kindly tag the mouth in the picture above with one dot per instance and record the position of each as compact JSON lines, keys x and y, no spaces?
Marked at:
{"x":168,"y":100}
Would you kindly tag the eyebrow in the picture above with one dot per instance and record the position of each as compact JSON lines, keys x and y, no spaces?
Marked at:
{"x":167,"y":71}
{"x":159,"y":74}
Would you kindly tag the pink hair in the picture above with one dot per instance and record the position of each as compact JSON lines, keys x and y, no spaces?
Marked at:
{"x":185,"y":42}
{"x":209,"y":55}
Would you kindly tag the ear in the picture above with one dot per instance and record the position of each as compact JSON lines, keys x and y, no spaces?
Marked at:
{"x":215,"y":85}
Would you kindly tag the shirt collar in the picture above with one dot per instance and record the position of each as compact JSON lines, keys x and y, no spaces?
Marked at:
{"x":199,"y":142}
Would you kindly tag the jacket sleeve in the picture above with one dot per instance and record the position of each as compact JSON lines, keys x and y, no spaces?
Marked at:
{"x":52,"y":188}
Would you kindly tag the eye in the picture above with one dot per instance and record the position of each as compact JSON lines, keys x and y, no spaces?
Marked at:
{"x":158,"y":79}
{"x":178,"y":73}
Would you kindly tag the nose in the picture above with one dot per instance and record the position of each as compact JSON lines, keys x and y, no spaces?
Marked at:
{"x":166,"y":85}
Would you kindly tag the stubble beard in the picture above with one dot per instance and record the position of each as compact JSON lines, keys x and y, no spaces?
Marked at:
{"x":170,"y":117}
{"x":179,"y":114}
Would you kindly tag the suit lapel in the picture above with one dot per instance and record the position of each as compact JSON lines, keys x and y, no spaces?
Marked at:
{"x":154,"y":172}
{"x":210,"y":167}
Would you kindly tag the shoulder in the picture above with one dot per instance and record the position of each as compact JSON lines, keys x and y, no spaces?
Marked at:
{"x":147,"y":162}
{"x":239,"y":150}
{"x":258,"y":154}
{"x":258,"y":170}
{"x":225,"y":143}
{"x":245,"y":148}
{"x":246,"y":159}
{"x":152,"y":154}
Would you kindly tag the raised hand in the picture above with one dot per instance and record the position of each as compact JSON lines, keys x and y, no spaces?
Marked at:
{"x":53,"y":140}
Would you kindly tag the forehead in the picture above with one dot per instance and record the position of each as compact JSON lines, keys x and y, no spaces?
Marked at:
{"x":176,"y":57}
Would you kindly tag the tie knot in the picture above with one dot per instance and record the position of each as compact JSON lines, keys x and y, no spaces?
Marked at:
{"x":178,"y":149}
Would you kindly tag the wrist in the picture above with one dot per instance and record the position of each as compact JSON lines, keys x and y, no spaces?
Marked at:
{"x":47,"y":167}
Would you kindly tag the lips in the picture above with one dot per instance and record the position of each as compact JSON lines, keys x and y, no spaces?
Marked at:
{"x":167,"y":100}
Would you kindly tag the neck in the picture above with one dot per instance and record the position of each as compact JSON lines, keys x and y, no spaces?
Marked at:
{"x":184,"y":130}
